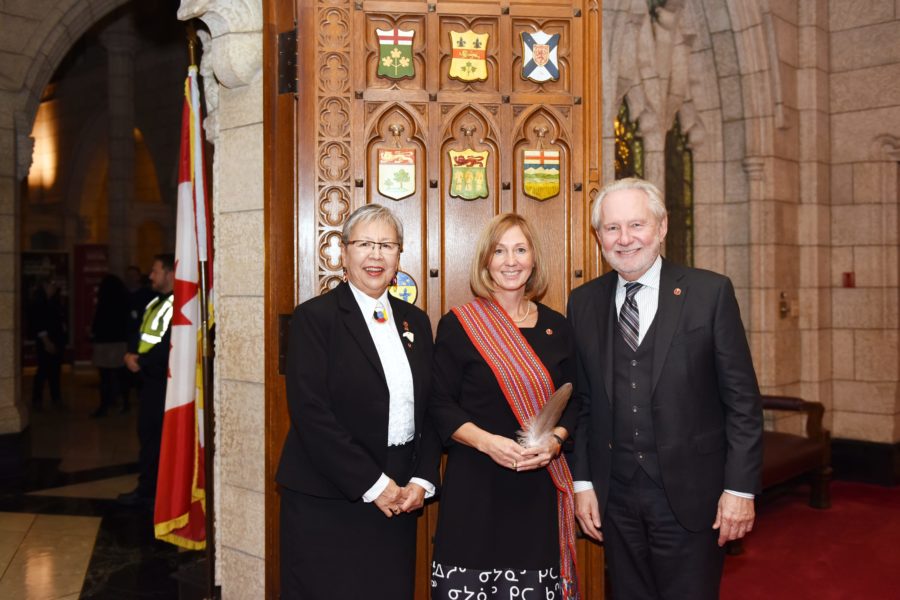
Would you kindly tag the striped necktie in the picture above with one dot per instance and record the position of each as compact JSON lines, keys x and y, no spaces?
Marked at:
{"x":629,"y":320}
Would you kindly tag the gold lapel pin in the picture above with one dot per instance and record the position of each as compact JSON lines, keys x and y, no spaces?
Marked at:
{"x":677,"y":291}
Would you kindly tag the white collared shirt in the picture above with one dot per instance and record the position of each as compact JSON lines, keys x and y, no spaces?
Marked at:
{"x":647,"y":297}
{"x":397,"y":373}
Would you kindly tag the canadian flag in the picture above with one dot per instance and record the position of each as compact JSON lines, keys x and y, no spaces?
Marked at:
{"x":180,"y":512}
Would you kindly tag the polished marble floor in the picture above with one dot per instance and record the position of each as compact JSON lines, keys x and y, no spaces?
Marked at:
{"x":62,"y":533}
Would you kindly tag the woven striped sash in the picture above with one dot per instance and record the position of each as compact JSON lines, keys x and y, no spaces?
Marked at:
{"x":527,"y":386}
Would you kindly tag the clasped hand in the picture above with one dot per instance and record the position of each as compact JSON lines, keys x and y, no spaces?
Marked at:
{"x":395,"y":499}
{"x":510,"y":454}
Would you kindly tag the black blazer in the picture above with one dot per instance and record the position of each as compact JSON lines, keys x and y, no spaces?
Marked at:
{"x":707,"y":415}
{"x":338,"y":398}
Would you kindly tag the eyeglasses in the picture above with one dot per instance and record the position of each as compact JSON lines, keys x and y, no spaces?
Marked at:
{"x":368,"y":246}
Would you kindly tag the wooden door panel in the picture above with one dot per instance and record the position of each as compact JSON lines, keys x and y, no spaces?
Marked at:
{"x":540,"y":127}
{"x":393,"y":126}
{"x":346,"y":113}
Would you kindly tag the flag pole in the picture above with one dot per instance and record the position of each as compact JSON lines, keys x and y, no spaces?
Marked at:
{"x":205,"y":374}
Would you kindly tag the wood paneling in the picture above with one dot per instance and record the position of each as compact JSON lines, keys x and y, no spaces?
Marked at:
{"x":344,"y":113}
{"x":281,"y":239}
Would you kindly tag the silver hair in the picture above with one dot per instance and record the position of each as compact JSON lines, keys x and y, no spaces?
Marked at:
{"x":370,"y":213}
{"x":654,"y":198}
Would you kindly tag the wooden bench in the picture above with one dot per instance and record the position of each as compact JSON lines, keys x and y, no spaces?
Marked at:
{"x":789,"y":457}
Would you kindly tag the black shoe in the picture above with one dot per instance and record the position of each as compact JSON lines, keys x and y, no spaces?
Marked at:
{"x":100,"y":412}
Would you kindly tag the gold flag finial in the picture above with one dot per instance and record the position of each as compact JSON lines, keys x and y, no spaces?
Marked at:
{"x":192,"y":43}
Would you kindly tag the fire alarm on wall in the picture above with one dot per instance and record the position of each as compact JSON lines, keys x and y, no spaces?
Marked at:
{"x":849,"y":279}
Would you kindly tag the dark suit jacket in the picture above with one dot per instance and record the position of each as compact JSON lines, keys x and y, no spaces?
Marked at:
{"x":707,"y":415}
{"x":338,"y":398}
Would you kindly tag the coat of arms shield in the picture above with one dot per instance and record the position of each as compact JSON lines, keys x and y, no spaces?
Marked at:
{"x":539,"y":56}
{"x":468,"y":176}
{"x":467,"y":59}
{"x":395,"y":58}
{"x":540,"y":170}
{"x":396,"y":172}
{"x":404,"y":288}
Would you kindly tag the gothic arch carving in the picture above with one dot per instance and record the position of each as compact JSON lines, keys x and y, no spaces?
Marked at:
{"x":468,"y":127}
{"x":395,"y":125}
{"x":540,"y":127}
{"x":49,"y":45}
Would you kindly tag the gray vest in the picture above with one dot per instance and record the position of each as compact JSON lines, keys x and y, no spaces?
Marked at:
{"x":634,"y":444}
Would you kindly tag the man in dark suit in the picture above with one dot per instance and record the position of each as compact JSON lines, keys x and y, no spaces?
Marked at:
{"x":669,"y":441}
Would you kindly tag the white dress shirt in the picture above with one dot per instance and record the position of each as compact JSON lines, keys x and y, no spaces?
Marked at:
{"x":401,"y":408}
{"x":647,"y":299}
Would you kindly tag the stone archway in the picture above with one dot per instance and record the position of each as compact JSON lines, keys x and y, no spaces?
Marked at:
{"x":44,"y":31}
{"x":712,"y":63}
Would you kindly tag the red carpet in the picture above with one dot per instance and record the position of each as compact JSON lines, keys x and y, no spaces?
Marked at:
{"x":850,"y":551}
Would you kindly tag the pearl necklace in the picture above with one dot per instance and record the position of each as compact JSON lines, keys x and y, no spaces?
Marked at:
{"x":527,"y":312}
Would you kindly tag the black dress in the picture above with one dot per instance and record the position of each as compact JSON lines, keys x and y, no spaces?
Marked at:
{"x":492,"y":518}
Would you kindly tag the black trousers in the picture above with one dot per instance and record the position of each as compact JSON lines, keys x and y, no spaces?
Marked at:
{"x":332,"y":548}
{"x":650,"y":555}
{"x":110,"y":386}
{"x":152,"y":400}
{"x":48,"y":371}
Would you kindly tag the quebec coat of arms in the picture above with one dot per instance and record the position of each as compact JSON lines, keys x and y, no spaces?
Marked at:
{"x":468,"y":53}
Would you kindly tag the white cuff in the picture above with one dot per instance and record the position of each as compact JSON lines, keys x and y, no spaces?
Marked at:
{"x":426,"y":485}
{"x":582,"y":486}
{"x":376,"y":489}
{"x":740,"y":494}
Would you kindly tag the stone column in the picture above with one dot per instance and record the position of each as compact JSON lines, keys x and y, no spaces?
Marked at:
{"x":233,"y":89}
{"x":120,"y":42}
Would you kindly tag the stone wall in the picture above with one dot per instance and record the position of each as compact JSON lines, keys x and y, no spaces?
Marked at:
{"x":232,"y":72}
{"x":864,"y":92}
{"x":793,"y":115}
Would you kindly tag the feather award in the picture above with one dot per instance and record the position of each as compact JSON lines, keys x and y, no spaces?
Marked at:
{"x":539,"y":429}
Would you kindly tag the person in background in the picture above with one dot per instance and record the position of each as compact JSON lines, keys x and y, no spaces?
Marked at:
{"x":149,"y":358}
{"x":359,"y":458}
{"x":109,"y":336}
{"x":48,"y":322}
{"x":140,"y":294}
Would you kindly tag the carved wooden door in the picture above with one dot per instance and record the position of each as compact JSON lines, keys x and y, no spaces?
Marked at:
{"x":397,"y":107}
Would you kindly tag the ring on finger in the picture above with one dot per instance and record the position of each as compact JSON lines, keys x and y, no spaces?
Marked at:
{"x":515,"y":464}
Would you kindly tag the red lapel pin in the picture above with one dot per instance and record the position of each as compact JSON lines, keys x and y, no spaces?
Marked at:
{"x":677,"y":291}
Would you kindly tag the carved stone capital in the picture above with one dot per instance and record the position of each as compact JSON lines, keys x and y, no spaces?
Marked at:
{"x":210,"y":88}
{"x":754,"y":167}
{"x":886,"y":147}
{"x":236,"y":30}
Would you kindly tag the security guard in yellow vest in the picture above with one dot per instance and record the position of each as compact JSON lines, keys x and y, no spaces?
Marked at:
{"x":150,"y":360}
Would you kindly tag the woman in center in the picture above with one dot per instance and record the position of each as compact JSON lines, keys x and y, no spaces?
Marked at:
{"x":506,"y":515}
